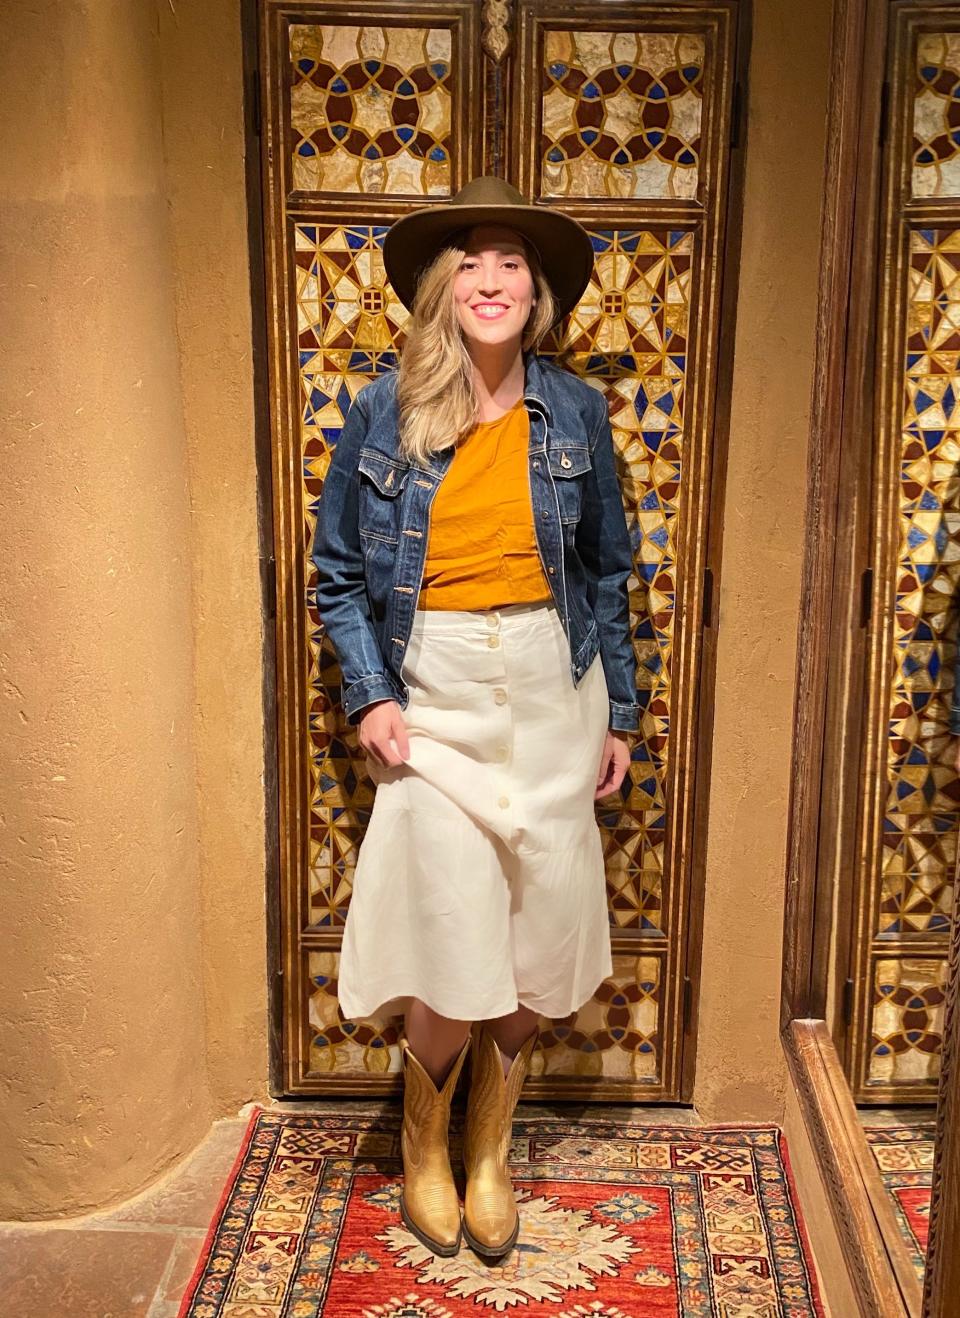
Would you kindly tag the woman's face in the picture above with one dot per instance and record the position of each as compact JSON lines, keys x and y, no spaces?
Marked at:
{"x":493,"y":289}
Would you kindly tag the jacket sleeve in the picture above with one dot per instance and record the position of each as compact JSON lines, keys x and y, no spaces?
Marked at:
{"x":341,"y":586}
{"x":603,"y":544}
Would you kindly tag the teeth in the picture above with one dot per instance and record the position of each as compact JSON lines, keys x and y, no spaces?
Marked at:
{"x":490,"y":312}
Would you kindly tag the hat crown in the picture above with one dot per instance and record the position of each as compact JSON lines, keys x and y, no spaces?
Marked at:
{"x":488,"y":190}
{"x":563,"y":245}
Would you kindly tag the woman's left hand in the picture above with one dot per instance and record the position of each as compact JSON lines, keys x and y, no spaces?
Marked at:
{"x":613,"y":763}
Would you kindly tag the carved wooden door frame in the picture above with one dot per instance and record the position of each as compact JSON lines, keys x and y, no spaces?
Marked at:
{"x":880,"y":1271}
{"x":493,"y":26}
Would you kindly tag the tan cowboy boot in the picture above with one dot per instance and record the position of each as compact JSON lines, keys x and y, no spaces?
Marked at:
{"x":428,"y":1204}
{"x":491,"y":1221}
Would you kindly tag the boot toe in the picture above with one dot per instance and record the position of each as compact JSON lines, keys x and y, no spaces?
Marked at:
{"x":438,"y":1227}
{"x":491,"y":1220}
{"x":491,"y":1235}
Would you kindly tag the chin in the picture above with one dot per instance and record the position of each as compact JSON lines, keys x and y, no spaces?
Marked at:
{"x":492,"y":333}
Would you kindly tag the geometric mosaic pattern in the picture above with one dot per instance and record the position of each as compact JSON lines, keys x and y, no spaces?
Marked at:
{"x":616,"y":1221}
{"x":907,"y":1020}
{"x":923,"y":794}
{"x":370,"y":109}
{"x":348,"y":317}
{"x":338,"y":1046}
{"x":616,"y":1035}
{"x":936,"y":116}
{"x":621,"y":114}
{"x":629,"y":335}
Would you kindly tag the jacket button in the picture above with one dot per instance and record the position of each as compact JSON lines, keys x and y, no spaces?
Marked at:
{"x":550,"y":570}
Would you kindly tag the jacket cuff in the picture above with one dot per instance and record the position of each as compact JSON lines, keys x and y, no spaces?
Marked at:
{"x":364,"y":691}
{"x":624,"y":717}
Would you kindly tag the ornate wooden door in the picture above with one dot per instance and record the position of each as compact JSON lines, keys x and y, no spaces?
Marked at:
{"x":904,"y":861}
{"x":623,"y":114}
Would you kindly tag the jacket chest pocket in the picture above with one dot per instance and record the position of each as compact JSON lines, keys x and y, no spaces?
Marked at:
{"x":569,"y":465}
{"x":381,"y":480}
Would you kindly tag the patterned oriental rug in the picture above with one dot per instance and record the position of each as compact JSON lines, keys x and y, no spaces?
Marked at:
{"x":904,"y":1155}
{"x":617,"y":1221}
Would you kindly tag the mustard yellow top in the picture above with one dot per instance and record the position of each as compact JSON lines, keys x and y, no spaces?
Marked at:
{"x":481,"y":549}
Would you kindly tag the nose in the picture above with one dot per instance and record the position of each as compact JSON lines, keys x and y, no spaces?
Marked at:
{"x":490,"y":281}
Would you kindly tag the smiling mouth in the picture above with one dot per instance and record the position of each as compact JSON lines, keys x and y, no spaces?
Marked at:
{"x":488,"y":312}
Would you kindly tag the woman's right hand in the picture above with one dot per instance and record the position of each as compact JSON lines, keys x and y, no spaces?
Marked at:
{"x":379,"y":726}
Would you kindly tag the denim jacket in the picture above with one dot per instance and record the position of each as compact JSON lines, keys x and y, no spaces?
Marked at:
{"x":373,"y":522}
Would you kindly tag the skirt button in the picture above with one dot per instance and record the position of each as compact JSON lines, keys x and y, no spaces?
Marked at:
{"x":500,"y":696}
{"x":504,"y":802}
{"x":493,"y":642}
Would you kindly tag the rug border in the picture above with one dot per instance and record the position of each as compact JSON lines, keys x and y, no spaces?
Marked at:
{"x":815,"y":1290}
{"x":188,"y":1295}
{"x":689,"y":1131}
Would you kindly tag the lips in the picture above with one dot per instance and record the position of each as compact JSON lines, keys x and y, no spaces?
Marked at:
{"x":488,"y":310}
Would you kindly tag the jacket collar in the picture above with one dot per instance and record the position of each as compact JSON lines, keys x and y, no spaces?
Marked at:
{"x":535,"y":389}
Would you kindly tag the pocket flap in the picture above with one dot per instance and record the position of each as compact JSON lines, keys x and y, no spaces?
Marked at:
{"x":387,"y":475}
{"x":569,"y":459}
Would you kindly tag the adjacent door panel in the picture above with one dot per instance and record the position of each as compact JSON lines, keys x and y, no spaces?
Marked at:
{"x":909,"y":792}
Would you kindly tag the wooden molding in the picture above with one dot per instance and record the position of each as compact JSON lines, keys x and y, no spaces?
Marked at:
{"x":878,"y":1265}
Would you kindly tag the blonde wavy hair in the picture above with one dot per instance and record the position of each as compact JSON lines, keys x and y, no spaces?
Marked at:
{"x":436,"y":397}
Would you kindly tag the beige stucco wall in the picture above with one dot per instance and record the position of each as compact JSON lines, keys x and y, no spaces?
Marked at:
{"x":132,"y":630}
{"x":741,"y":1073}
{"x":202,"y":89}
{"x":103,"y":1033}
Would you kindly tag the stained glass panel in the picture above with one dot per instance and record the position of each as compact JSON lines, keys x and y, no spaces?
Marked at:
{"x":923,"y":793}
{"x":629,"y":336}
{"x":621,"y":114}
{"x":370,"y":108}
{"x":615,"y":1034}
{"x":907,"y":1020}
{"x":936,"y":115}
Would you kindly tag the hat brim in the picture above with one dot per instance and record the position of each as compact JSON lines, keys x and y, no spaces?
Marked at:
{"x":564,"y":246}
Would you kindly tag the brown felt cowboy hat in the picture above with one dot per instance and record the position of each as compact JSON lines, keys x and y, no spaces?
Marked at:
{"x":564,"y":246}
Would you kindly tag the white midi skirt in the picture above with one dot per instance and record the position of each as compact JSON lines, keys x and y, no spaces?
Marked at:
{"x":479,"y":882}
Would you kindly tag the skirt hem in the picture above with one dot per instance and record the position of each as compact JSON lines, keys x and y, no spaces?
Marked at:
{"x":470,"y":1014}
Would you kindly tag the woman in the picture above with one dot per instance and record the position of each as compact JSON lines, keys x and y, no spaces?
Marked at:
{"x":472,"y":559}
